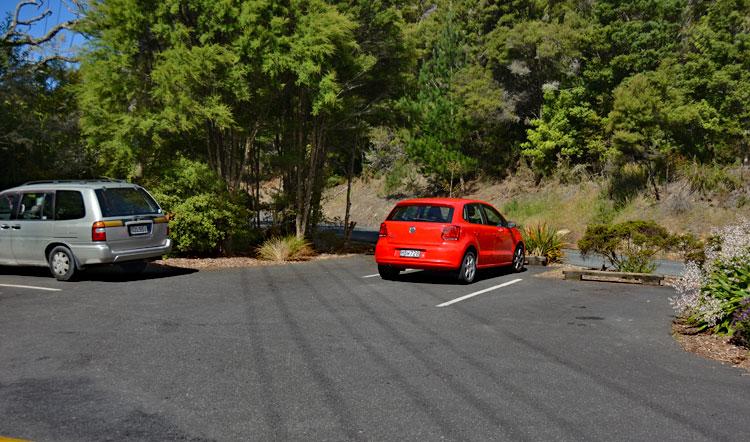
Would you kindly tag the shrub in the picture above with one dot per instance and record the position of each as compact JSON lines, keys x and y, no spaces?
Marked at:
{"x":716,"y":294}
{"x":206,"y":218}
{"x":629,"y":246}
{"x":709,"y":178}
{"x":741,"y":324}
{"x":627,"y":181}
{"x":542,"y":240}
{"x":202,"y":223}
{"x":605,"y":210}
{"x":639,"y":262}
{"x":286,"y":248}
{"x":243,"y":240}
{"x":690,"y":247}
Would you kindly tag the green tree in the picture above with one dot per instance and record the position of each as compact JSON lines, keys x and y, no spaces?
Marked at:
{"x":569,"y":131}
{"x":39,"y":137}
{"x":437,"y":126}
{"x":220,"y":81}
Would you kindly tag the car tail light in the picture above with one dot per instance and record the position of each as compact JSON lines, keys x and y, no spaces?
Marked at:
{"x":98,"y":232}
{"x":451,"y":233}
{"x":383,"y":230}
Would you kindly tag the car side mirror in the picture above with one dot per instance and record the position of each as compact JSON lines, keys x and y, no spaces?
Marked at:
{"x":511,"y":224}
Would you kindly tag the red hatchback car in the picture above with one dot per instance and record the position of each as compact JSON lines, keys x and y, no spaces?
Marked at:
{"x":447,"y":234}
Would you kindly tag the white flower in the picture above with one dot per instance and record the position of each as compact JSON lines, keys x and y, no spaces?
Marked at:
{"x":734,"y":243}
{"x":688,"y":289}
{"x":709,"y":310}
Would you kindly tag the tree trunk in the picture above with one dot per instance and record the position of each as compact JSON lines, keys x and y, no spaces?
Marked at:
{"x":316,"y":153}
{"x":652,"y":179}
{"x":256,"y":201}
{"x":300,"y":217}
{"x":349,"y":177}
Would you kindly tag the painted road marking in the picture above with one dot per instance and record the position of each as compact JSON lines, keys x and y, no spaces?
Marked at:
{"x":29,"y":287}
{"x":471,"y":295}
{"x":10,"y":439}
{"x":403,"y":273}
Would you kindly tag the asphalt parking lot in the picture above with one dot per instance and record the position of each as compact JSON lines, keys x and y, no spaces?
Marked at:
{"x":325,"y":350}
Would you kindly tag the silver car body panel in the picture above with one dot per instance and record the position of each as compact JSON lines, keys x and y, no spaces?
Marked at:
{"x":27,"y":242}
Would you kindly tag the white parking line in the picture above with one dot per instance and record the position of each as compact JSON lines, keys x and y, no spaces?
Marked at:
{"x":471,"y":295}
{"x":29,"y":287}
{"x":403,"y":273}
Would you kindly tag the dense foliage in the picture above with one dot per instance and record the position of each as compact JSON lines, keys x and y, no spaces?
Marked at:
{"x":296,"y":91}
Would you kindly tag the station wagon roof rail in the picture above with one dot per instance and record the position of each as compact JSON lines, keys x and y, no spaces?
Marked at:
{"x":95,"y":180}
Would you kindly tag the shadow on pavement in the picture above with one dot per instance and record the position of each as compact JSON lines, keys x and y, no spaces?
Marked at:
{"x":450,"y":278}
{"x":104,"y":273}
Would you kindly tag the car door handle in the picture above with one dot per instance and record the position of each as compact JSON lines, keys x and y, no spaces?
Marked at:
{"x":16,"y":227}
{"x":4,"y":227}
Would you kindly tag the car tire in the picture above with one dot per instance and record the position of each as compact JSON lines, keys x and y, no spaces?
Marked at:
{"x":519,"y":259}
{"x":62,"y":263}
{"x":387,"y":272}
{"x":468,"y":270}
{"x":133,"y":266}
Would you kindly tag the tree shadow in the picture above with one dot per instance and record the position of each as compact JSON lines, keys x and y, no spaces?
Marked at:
{"x":105,"y":273}
{"x":116,"y":274}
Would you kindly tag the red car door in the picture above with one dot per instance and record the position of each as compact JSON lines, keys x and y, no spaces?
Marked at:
{"x":502,"y":235}
{"x":484,"y":234}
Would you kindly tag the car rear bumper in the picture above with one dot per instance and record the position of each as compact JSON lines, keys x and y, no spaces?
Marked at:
{"x":433,"y":257}
{"x":92,"y":254}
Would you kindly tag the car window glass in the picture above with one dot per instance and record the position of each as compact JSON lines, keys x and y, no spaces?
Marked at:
{"x":6,"y":207}
{"x":473,"y":214}
{"x":492,"y":217}
{"x":69,"y":205}
{"x":35,"y":206}
{"x":125,"y":201}
{"x":422,"y":212}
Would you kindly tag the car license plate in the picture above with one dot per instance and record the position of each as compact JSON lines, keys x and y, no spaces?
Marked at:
{"x":139,"y":229}
{"x":410,"y":253}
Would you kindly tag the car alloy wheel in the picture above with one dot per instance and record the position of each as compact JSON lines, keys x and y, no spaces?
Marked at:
{"x":468,"y":269}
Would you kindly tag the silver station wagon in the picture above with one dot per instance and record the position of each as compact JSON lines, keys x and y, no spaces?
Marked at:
{"x":69,"y":225}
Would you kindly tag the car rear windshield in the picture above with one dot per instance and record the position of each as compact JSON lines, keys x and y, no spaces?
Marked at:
{"x":422,"y":212}
{"x":125,"y":201}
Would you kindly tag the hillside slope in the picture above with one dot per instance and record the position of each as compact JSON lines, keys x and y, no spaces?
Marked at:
{"x":565,"y":206}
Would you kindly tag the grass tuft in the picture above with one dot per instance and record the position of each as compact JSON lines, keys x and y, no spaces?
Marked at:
{"x":287,"y":248}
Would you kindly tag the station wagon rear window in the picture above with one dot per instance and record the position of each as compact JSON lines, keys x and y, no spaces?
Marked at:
{"x":422,"y":212}
{"x":125,"y":201}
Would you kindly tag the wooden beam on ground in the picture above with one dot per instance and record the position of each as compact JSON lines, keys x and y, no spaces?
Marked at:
{"x":598,"y":275}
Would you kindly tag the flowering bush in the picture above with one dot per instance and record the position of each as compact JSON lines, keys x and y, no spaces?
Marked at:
{"x":716,"y":294}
